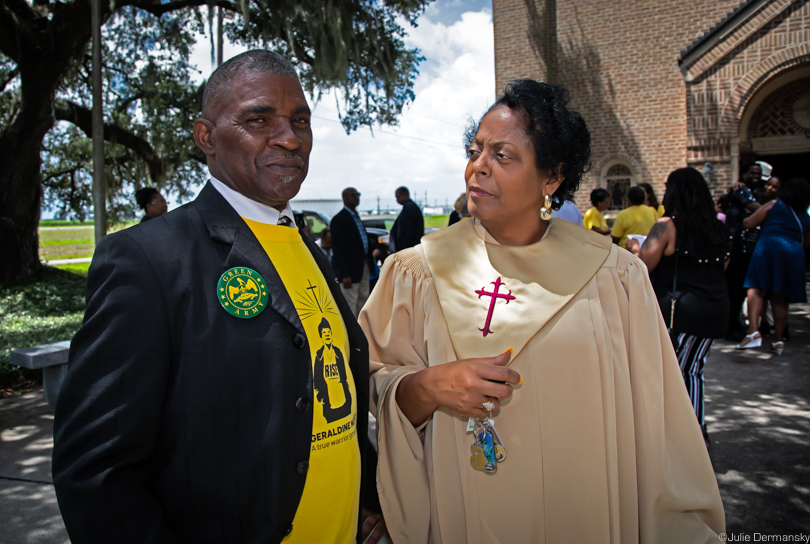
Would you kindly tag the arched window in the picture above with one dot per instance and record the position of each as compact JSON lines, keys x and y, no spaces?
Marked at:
{"x":617,"y":179}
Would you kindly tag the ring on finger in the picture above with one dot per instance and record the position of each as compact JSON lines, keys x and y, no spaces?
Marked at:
{"x":488,"y":405}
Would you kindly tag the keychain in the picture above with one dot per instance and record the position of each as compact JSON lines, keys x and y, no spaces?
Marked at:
{"x":487,"y":449}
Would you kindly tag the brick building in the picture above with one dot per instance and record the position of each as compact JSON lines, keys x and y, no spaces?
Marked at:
{"x":709,"y":84}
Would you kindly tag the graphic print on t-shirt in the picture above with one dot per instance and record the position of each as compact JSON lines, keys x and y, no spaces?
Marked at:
{"x":329,"y":373}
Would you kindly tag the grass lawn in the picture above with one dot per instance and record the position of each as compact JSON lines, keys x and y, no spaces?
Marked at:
{"x":46,"y":308}
{"x":68,"y":240}
{"x":436,"y":221}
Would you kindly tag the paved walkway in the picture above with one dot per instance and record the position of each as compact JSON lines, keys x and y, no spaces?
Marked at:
{"x":758,"y":410}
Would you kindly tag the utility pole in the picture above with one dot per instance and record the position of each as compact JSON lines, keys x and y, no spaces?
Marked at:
{"x":99,"y":185}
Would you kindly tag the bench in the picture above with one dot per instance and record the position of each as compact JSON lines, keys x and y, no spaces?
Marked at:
{"x":52,"y":359}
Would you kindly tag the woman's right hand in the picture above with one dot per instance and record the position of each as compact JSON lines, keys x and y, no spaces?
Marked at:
{"x":461,"y":386}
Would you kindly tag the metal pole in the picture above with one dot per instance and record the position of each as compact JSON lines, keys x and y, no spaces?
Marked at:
{"x":99,"y":186}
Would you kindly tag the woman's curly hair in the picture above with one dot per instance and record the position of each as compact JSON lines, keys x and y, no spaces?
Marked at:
{"x":562,"y":143}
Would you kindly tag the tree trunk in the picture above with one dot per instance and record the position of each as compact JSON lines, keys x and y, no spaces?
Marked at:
{"x":20,"y":179}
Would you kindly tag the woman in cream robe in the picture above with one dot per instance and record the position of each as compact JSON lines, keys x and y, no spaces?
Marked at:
{"x":601,"y":442}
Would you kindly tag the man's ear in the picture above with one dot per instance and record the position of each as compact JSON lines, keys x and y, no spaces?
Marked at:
{"x":204,"y":136}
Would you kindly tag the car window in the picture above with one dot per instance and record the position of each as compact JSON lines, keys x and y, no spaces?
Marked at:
{"x":314,"y":223}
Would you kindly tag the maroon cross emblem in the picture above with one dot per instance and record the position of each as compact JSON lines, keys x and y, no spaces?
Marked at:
{"x":495,"y":296}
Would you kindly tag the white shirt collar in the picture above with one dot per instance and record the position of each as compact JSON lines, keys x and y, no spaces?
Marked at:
{"x":250,"y":209}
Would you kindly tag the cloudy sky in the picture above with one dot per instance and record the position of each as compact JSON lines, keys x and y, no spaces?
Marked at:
{"x":424,"y":153}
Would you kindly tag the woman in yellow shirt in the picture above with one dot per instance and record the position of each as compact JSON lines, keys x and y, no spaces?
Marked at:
{"x":652,"y":200}
{"x":594,"y":220}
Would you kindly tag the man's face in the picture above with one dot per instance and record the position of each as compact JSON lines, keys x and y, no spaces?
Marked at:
{"x":351,"y":198}
{"x":753,"y":176}
{"x":326,"y":241}
{"x":258,"y":137}
{"x":402,"y":198}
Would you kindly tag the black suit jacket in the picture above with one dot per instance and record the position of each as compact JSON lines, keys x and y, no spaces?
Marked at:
{"x":409,"y":226}
{"x":177,"y":421}
{"x":348,"y":256}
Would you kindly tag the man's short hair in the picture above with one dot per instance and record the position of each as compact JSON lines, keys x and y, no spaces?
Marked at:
{"x":257,"y":60}
{"x":402,"y":191}
{"x":324,"y":324}
{"x":636,"y":195}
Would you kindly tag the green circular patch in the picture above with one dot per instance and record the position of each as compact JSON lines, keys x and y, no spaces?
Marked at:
{"x":242,"y":292}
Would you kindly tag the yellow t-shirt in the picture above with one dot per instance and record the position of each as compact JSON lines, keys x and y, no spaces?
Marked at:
{"x":328,"y":511}
{"x":633,"y":220}
{"x":594,"y":218}
{"x":660,"y":211}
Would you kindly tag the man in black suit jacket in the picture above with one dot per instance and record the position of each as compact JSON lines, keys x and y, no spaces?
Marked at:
{"x":410,"y":225}
{"x":351,"y":254}
{"x":179,"y":422}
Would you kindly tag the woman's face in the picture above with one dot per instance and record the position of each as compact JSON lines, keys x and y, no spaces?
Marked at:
{"x":772,"y":187}
{"x":503,"y":182}
{"x":604,"y":204}
{"x":157,"y":206}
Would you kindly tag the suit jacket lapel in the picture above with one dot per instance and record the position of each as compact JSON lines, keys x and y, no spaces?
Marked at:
{"x":225,"y":225}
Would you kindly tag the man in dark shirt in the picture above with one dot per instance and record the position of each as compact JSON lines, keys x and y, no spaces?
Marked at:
{"x":742,"y":202}
{"x":410,"y":225}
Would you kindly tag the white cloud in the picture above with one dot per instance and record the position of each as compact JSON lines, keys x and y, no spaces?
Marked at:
{"x":425,"y":152}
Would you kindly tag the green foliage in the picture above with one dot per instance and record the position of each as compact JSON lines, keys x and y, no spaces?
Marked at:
{"x":148,"y":96}
{"x":353,"y":45}
{"x":46,"y":308}
{"x":150,"y":102}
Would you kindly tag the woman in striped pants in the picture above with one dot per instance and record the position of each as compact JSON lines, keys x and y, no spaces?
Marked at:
{"x":686,"y":253}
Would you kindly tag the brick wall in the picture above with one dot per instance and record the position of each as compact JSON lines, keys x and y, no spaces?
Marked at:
{"x":619,"y":59}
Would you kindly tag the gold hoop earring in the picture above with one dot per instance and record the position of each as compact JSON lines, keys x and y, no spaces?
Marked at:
{"x":545,"y":211}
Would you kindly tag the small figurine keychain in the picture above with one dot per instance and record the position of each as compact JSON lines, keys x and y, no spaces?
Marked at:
{"x":487,"y":449}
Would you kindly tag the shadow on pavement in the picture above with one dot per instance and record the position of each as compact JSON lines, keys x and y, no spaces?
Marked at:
{"x":758,"y":412}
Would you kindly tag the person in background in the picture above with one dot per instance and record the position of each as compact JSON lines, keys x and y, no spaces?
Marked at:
{"x":652,"y":200}
{"x":459,"y":210}
{"x":546,"y":331}
{"x":635,"y":219}
{"x":721,"y":206}
{"x":777,"y":265}
{"x":151,"y":202}
{"x":742,"y":201}
{"x":569,"y":212}
{"x":410,"y":224}
{"x":772,"y":188}
{"x":325,"y":242}
{"x":686,"y":252}
{"x":594,"y":219}
{"x":352,"y":255}
{"x":767,"y":173}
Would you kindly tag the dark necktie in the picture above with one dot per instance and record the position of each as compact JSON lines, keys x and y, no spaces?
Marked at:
{"x":284,"y":220}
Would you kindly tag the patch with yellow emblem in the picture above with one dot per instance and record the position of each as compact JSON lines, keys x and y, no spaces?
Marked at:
{"x":242,"y":292}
